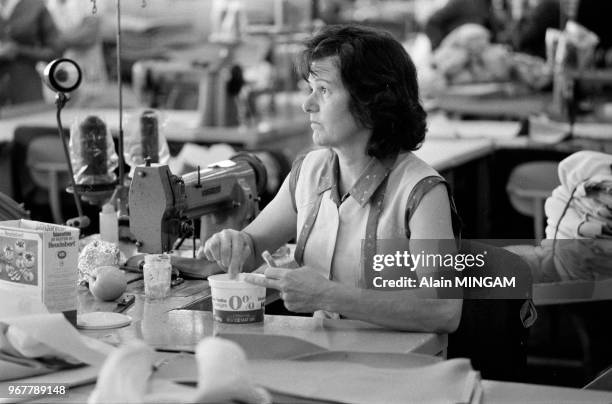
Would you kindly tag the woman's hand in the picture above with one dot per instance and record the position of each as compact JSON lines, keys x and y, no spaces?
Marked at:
{"x":229,"y":248}
{"x":303,"y":290}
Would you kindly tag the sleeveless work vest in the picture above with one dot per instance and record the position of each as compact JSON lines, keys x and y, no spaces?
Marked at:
{"x":330,"y":235}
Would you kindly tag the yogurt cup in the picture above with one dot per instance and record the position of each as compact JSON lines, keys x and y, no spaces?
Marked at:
{"x":236,"y":301}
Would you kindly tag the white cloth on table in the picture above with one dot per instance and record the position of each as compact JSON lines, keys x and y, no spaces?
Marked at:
{"x":585,"y":217}
{"x":579,"y":221}
{"x":36,"y":344}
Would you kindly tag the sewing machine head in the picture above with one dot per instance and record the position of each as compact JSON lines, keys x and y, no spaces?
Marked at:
{"x":217,"y":83}
{"x":163,"y":206}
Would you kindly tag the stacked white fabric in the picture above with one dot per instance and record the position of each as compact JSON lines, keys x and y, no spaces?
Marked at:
{"x":587,"y":220}
{"x":451,"y":381}
{"x":223,"y":374}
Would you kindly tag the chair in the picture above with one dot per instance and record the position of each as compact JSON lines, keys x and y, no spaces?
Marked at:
{"x":40,"y":170}
{"x":493,"y":332}
{"x":528,"y":187}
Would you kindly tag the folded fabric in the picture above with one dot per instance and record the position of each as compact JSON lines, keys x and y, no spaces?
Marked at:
{"x":266,"y":346}
{"x":573,"y":211}
{"x":41,"y":343}
{"x":579,"y":217}
{"x":584,"y":217}
{"x":583,"y":166}
{"x":452,"y":381}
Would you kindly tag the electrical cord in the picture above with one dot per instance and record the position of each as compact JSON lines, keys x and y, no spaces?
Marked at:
{"x":82,"y":221}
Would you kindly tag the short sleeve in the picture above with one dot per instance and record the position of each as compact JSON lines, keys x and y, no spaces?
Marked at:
{"x":293,"y":178}
{"x":419,"y":191}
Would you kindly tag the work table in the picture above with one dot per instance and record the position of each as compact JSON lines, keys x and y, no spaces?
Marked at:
{"x":163,"y":325}
{"x":177,"y":330}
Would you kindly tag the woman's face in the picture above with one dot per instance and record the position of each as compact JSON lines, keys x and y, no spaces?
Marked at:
{"x":327,"y":104}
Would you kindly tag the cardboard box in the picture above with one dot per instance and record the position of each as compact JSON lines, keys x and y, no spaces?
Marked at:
{"x":40,"y":260}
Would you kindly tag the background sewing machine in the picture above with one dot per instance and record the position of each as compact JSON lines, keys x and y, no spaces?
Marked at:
{"x":210,"y":87}
{"x":166,"y":209}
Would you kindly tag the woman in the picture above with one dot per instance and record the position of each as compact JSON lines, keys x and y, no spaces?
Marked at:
{"x":365,"y":115}
{"x":27,"y":35}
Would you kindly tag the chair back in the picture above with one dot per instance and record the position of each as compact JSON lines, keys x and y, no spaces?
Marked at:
{"x":528,"y":187}
{"x":43,"y":154}
{"x":492,"y":332}
{"x":40,"y":171}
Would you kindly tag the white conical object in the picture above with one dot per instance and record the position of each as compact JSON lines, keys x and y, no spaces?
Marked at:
{"x":109,"y":226}
{"x":223,"y":374}
{"x":124,"y":377}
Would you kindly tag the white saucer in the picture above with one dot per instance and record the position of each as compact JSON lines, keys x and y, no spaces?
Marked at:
{"x":101,"y":320}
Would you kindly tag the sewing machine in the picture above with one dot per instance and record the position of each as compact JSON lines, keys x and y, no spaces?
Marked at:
{"x":163,"y":206}
{"x":210,"y":86}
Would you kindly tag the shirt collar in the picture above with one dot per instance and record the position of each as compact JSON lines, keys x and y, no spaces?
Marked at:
{"x":365,"y":186}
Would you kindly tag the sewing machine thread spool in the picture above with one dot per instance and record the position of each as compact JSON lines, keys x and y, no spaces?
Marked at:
{"x":93,"y":148}
{"x":149,"y":135}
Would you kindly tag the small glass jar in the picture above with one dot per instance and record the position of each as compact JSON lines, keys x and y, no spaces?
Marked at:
{"x":157,"y":272}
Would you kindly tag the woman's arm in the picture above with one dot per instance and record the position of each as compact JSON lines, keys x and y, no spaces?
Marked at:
{"x":237,"y":250}
{"x":276,"y":224}
{"x":410,"y":309}
{"x":305,"y":290}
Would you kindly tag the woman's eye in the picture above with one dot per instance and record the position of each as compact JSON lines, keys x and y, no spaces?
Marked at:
{"x":323,"y":90}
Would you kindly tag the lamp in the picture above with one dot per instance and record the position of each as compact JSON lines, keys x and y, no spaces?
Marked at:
{"x":63,"y":76}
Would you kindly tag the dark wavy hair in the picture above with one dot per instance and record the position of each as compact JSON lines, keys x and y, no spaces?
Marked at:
{"x":381,"y":80}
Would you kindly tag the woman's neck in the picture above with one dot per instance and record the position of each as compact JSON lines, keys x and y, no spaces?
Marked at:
{"x":351,"y":163}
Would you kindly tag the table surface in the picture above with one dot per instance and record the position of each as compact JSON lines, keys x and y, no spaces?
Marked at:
{"x":493,"y":392}
{"x":163,"y":326}
{"x":494,"y":106}
{"x":441,"y":153}
{"x":449,"y":142}
{"x":179,"y":125}
{"x":506,"y":392}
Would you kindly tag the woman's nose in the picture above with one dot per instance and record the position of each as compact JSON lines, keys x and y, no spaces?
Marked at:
{"x":309,"y":105}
